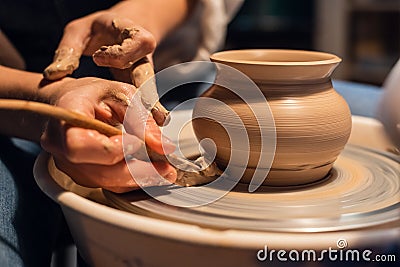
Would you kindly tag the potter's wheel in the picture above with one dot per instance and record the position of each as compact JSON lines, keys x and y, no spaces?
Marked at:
{"x":362,"y":190}
{"x":107,"y":236}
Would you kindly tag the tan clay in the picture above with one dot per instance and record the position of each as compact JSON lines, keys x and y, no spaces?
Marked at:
{"x":65,"y":61}
{"x":313,"y":122}
{"x":143,"y":74}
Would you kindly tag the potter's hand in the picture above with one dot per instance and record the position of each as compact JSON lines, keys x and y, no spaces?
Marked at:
{"x":114,"y":42}
{"x":93,"y":159}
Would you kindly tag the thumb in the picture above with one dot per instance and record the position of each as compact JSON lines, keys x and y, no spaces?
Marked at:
{"x":69,"y":51}
{"x":138,"y":121}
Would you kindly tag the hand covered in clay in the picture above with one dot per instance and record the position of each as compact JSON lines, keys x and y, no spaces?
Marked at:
{"x":113,"y":42}
{"x":95,"y":160}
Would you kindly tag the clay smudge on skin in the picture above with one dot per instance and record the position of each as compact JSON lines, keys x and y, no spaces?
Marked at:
{"x":112,"y":55}
{"x":119,"y":98}
{"x":65,"y":61}
{"x":143,"y":73}
{"x":141,"y":70}
{"x":107,"y":145}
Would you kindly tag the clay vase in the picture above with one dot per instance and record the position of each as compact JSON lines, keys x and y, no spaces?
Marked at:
{"x":313,"y":122}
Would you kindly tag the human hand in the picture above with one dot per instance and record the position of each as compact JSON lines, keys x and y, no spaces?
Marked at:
{"x":114,"y":42}
{"x":92,"y":159}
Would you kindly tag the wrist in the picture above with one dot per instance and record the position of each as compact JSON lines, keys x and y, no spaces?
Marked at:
{"x":17,"y":84}
{"x":49,"y":91}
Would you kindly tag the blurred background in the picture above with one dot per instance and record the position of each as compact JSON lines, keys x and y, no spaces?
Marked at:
{"x":364,"y":33}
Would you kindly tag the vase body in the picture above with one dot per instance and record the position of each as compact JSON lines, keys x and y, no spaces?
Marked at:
{"x":312,"y":121}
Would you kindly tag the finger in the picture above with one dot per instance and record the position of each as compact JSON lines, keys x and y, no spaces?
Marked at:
{"x":156,"y":140}
{"x":147,"y":174}
{"x":139,"y":122}
{"x":79,"y":145}
{"x":97,"y":98}
{"x":69,"y":51}
{"x":136,"y":117}
{"x":52,"y":138}
{"x":98,"y":176}
{"x":89,"y":146}
{"x":118,"y":178}
{"x":136,"y":44}
{"x":82,"y":145}
{"x":143,"y":77}
{"x":116,"y":102}
{"x":65,"y":61}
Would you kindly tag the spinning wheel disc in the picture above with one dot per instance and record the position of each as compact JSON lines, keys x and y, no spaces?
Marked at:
{"x":362,"y":190}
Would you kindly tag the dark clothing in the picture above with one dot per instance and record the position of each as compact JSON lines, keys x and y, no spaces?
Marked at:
{"x":35,"y":27}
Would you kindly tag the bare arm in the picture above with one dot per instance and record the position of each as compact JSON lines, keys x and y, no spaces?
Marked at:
{"x":157,"y":16}
{"x":17,"y":84}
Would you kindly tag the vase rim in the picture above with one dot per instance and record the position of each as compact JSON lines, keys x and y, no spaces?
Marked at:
{"x":275,"y":57}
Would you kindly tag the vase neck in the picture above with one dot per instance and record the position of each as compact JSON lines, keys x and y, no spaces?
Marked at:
{"x":295,"y":87}
{"x":275,"y":88}
{"x":293,"y":82}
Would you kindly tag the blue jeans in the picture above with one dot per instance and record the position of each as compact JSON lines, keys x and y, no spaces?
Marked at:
{"x":30,"y":221}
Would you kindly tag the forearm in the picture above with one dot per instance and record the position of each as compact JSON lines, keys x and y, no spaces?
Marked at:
{"x":16,"y":84}
{"x":157,"y":16}
{"x":25,"y":85}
